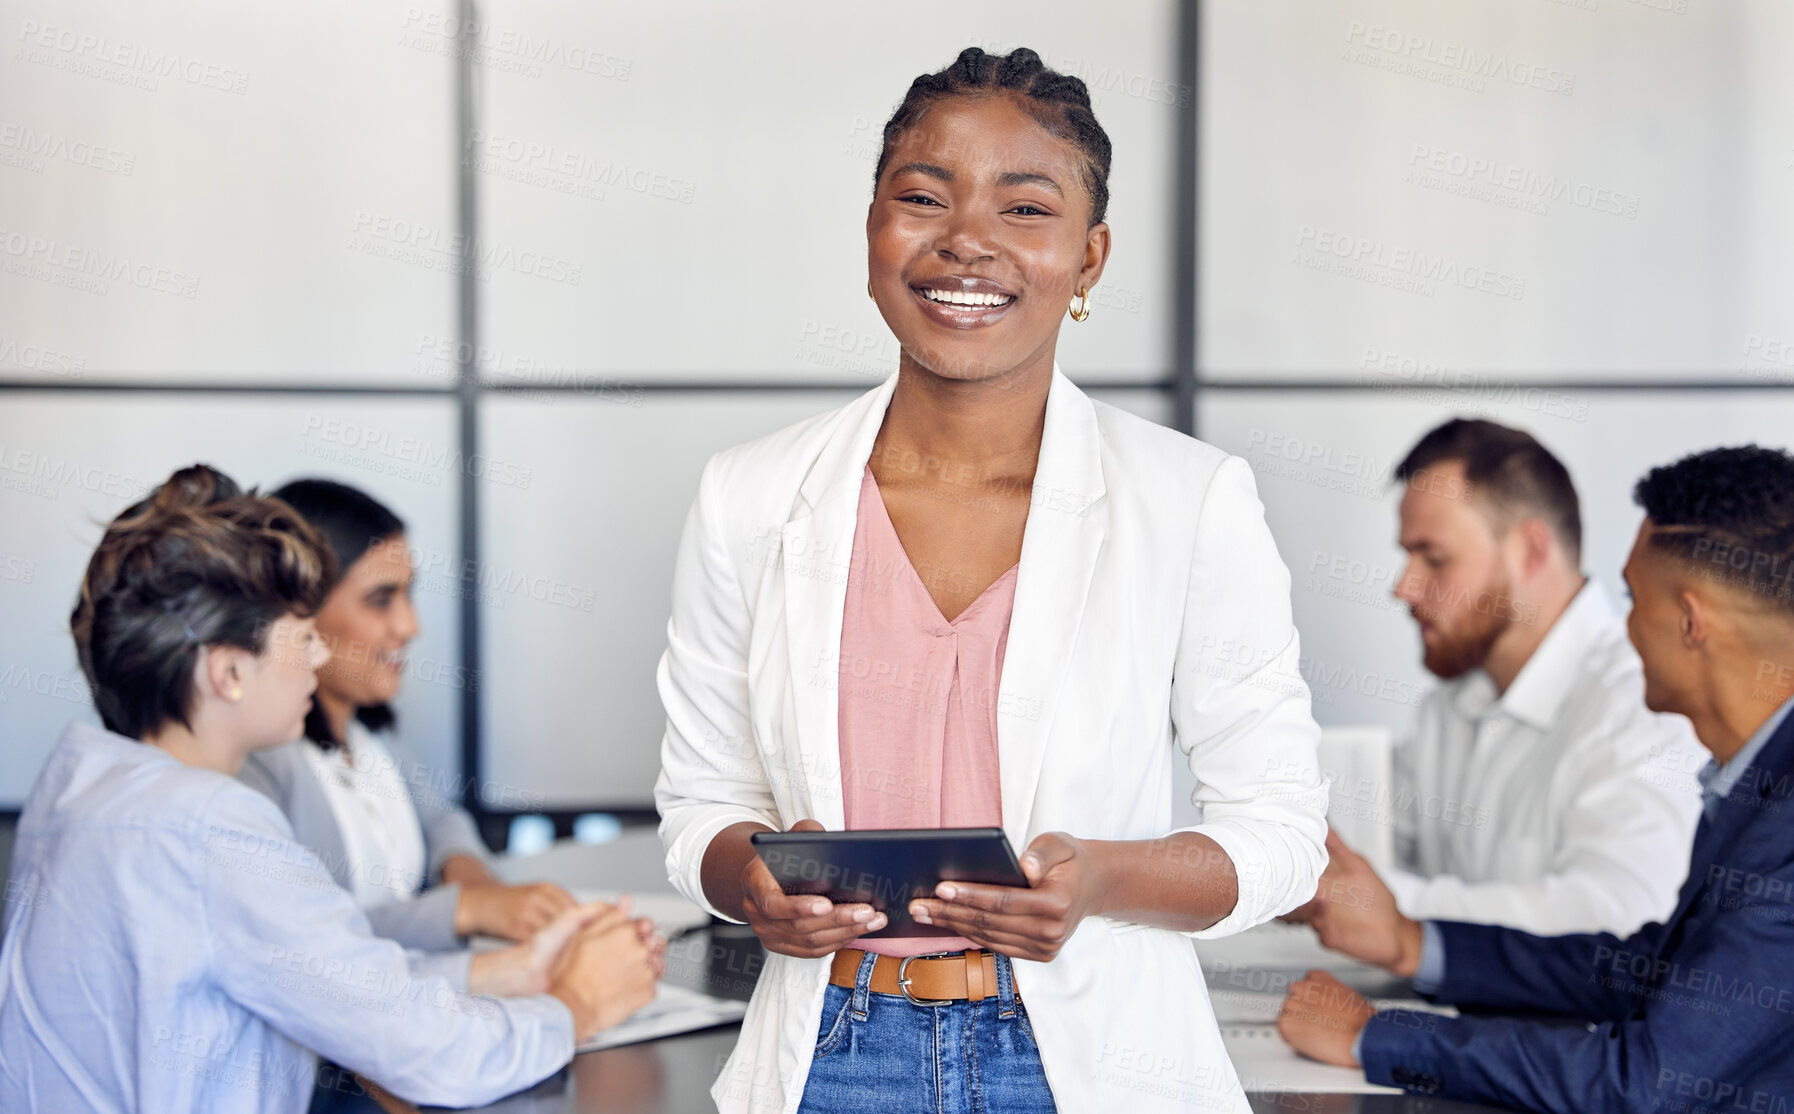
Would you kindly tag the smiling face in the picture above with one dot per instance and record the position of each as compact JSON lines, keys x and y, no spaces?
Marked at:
{"x":978,"y":238}
{"x":367,"y":621}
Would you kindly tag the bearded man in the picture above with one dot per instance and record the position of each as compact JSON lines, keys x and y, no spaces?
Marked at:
{"x":1537,"y":791}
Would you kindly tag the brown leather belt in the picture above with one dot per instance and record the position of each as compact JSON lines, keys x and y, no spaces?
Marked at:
{"x":971,"y":976}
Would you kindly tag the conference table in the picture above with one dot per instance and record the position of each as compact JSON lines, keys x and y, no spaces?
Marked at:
{"x":673,"y":1074}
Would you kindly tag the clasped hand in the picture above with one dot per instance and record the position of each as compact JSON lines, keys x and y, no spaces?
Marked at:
{"x":530,"y":967}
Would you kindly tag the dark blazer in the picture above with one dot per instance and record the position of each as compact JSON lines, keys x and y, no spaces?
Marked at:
{"x":1696,"y":1013}
{"x":427,"y":921}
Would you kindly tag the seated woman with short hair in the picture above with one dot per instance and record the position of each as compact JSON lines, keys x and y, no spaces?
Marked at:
{"x":168,"y":945}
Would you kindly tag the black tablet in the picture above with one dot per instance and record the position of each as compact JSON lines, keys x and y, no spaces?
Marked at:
{"x":886,"y":868}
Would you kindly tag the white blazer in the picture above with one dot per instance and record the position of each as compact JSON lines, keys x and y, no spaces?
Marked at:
{"x":1152,"y":615}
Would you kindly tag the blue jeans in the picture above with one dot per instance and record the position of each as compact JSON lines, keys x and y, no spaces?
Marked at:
{"x":883,"y":1052}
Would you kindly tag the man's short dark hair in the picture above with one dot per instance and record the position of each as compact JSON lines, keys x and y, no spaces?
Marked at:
{"x":1727,"y":515}
{"x":1511,"y":470}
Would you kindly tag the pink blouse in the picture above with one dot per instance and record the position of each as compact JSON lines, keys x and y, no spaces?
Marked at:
{"x":918,"y":699}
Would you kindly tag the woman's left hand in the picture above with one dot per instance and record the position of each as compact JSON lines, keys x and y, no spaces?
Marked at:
{"x":1021,"y":923}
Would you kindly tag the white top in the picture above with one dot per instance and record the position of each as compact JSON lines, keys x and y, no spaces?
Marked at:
{"x":382,"y":837}
{"x":1562,"y":805}
{"x":1151,"y":626}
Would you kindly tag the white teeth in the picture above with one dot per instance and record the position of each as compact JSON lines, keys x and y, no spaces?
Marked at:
{"x":961,"y":298}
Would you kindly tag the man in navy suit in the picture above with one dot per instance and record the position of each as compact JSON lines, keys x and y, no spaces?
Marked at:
{"x":1693,"y":1014}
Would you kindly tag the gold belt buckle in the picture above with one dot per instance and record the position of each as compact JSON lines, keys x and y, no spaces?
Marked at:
{"x":903,"y":978}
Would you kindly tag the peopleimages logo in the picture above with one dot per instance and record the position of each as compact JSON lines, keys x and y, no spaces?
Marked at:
{"x":37,"y":357}
{"x":1100,"y":79}
{"x":120,"y":61}
{"x":89,"y":269}
{"x":507,"y":48}
{"x":1507,"y":183}
{"x":56,"y":473}
{"x":564,"y":170}
{"x":1408,"y":378}
{"x":409,"y":457}
{"x":426,"y":244}
{"x":27,"y":148}
{"x":1466,"y":62}
{"x":1377,"y":257}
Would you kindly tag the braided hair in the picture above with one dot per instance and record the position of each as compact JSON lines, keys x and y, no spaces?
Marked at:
{"x":1058,"y":102}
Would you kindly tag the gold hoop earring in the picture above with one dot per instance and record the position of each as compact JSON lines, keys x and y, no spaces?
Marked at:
{"x":1080,"y":305}
{"x":869,"y":289}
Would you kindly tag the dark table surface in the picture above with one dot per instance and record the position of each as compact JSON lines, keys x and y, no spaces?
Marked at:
{"x":673,"y":1074}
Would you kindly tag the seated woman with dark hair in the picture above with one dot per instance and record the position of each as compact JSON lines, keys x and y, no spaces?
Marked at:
{"x":168,"y":945}
{"x":378,"y":819}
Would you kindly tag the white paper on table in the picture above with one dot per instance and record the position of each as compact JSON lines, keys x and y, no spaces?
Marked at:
{"x":1265,"y":1063}
{"x":1244,"y":1007}
{"x":673,"y":1010}
{"x":670,"y":912}
{"x":1273,"y":945}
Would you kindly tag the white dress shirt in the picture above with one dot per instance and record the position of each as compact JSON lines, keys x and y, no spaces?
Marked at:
{"x":382,"y":839}
{"x":1562,"y":805}
{"x":1151,"y":625}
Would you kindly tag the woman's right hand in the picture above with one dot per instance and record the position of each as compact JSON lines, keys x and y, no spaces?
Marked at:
{"x":804,"y":925}
{"x":509,"y":912}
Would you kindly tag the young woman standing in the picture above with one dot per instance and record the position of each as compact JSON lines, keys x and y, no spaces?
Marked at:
{"x":975,"y":596}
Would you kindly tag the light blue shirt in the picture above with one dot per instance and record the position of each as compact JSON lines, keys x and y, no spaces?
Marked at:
{"x":170,"y":947}
{"x":1717,"y":780}
{"x":1426,"y":977}
{"x":1431,"y":971}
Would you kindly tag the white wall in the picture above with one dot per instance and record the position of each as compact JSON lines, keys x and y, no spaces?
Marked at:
{"x":1322,"y":463}
{"x":675,"y":193}
{"x":706,"y":194}
{"x":733,"y":242}
{"x":1619,"y":171}
{"x":211,"y":191}
{"x":70,"y":462}
{"x":197,"y":194}
{"x":1345,"y":146}
{"x":278,"y":185}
